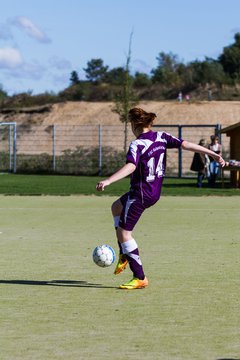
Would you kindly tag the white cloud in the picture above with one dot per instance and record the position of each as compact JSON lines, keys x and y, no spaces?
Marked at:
{"x":27,"y":71}
{"x":24,"y":77}
{"x":25,"y":24}
{"x":33,"y":71}
{"x":59,"y":63}
{"x":10,"y":58}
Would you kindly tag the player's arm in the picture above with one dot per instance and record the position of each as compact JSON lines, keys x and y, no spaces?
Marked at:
{"x":126,"y":170}
{"x":186,"y":145}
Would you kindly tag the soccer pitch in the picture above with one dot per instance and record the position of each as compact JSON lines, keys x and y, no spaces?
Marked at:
{"x":57,"y":304}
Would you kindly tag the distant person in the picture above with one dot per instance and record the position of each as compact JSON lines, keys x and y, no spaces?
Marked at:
{"x":187,"y":98}
{"x":209,"y":95}
{"x":180,"y":97}
{"x":146,"y":163}
{"x":200,"y":164}
{"x":214,"y":166}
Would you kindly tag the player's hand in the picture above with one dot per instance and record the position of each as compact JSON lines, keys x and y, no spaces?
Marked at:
{"x":102,"y":184}
{"x":220,"y":160}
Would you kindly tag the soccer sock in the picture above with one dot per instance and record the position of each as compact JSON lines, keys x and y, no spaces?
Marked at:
{"x":130,"y":249}
{"x":116,"y":221}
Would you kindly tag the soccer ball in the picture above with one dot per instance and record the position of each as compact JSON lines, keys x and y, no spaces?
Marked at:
{"x":103,"y":255}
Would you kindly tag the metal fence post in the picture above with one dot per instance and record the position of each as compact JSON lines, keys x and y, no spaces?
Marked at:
{"x":15,"y":148}
{"x":218,"y":132}
{"x":100,"y":149}
{"x":54,"y":147}
{"x":10,"y":147}
{"x":180,"y":153}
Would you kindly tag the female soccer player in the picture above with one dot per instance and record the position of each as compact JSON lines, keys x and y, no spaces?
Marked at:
{"x":146,"y":162}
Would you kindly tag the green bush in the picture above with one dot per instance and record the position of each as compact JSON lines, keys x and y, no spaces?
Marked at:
{"x":85,"y":161}
{"x":112,"y":160}
{"x":4,"y":161}
{"x":80,"y":161}
{"x":35,"y":164}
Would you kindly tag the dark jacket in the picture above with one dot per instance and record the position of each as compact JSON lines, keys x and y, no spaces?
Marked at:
{"x":198,"y":163}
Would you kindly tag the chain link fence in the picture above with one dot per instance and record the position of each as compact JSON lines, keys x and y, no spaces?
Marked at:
{"x":93,"y":149}
{"x":8,"y":146}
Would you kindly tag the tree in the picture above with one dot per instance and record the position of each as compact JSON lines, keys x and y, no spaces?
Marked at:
{"x":126,"y":99}
{"x":115,"y":76}
{"x":95,"y":70}
{"x":166,"y":71}
{"x":230,"y":58}
{"x":205,"y":72}
{"x":74,"y":79}
{"x":3,"y":94}
{"x":141,"y":80}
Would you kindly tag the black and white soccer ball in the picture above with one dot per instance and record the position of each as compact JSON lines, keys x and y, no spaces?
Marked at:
{"x":104,"y":255}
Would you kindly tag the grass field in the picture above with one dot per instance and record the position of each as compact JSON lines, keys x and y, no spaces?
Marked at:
{"x":57,"y":304}
{"x":85,"y":185}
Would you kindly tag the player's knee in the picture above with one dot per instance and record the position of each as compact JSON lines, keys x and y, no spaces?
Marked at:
{"x":116,"y":208}
{"x":113,"y":208}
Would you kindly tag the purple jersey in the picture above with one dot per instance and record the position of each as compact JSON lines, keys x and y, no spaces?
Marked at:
{"x":148,"y":152}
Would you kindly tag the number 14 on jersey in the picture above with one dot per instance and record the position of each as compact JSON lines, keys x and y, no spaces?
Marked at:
{"x":155,"y":170}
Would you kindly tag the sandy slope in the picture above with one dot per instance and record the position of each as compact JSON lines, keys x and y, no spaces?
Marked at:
{"x":215,"y":112}
{"x":77,"y":113}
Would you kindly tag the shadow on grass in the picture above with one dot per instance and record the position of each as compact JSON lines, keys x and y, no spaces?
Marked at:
{"x":65,"y":283}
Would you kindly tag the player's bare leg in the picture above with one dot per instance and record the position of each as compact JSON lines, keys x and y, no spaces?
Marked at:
{"x":122,"y":261}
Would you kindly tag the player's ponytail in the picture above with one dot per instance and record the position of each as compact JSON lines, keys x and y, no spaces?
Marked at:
{"x":139,"y":117}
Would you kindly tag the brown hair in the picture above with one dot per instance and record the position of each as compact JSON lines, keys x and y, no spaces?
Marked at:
{"x":214,"y":137}
{"x":139,"y":117}
{"x":203,"y":142}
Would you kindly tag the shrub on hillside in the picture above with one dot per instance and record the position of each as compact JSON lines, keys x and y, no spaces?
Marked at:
{"x":85,"y":161}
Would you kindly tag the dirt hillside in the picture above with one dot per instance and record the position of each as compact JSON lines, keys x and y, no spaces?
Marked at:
{"x":224,"y":113}
{"x":78,"y":113}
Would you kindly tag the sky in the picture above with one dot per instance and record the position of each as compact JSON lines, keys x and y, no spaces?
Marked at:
{"x":42,"y":42}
